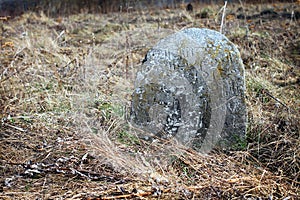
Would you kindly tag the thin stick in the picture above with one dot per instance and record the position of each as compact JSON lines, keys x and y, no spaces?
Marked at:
{"x":276,"y":99}
{"x":223,"y":16}
{"x":15,"y":127}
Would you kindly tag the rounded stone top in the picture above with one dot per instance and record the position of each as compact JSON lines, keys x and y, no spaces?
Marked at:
{"x":190,"y":87}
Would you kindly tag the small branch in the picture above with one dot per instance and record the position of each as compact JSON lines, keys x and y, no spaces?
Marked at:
{"x":276,"y":99}
{"x":141,"y":194}
{"x":71,"y":61}
{"x":15,"y":127}
{"x":223,"y":16}
{"x":60,"y":35}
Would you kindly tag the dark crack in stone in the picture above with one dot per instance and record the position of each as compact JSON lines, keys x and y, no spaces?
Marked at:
{"x":190,"y":87}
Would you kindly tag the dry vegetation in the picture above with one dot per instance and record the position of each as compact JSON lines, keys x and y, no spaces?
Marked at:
{"x":65,"y":91}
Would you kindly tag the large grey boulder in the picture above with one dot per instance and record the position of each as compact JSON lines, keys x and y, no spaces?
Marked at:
{"x":190,"y":87}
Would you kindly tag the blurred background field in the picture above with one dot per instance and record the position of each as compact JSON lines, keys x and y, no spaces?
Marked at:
{"x":66,"y":78}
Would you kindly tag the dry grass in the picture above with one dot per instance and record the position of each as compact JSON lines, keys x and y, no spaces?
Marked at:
{"x":65,"y":91}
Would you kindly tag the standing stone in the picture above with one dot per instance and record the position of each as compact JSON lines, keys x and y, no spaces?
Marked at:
{"x":191,"y":87}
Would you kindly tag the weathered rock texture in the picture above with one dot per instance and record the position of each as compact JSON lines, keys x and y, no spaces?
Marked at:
{"x":191,"y":87}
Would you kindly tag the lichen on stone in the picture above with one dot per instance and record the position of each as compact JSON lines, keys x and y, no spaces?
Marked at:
{"x":190,"y":87}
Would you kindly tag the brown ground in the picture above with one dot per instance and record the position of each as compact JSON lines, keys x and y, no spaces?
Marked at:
{"x":65,"y":91}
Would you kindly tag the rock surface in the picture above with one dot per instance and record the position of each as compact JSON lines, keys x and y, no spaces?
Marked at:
{"x":190,"y":87}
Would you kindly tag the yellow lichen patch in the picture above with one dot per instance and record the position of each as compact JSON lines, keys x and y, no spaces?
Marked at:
{"x":220,"y":69}
{"x":8,"y":44}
